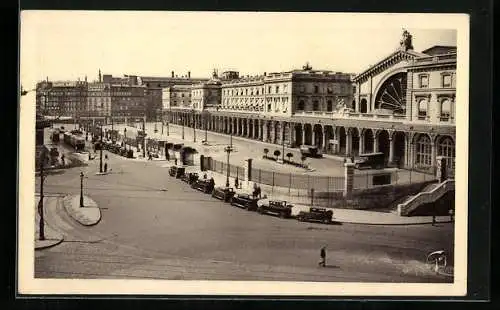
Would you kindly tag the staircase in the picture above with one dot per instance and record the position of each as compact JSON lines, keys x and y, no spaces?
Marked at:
{"x":429,"y":195}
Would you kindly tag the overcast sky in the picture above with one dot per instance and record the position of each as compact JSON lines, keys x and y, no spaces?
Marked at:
{"x":69,"y":45}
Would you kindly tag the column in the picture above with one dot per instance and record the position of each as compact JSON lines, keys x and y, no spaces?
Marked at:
{"x":375,"y":142}
{"x":248,"y":127}
{"x":348,"y":142}
{"x":348,"y":179}
{"x":433,"y":151}
{"x":324,"y":139}
{"x":264,"y":131}
{"x":313,"y":135}
{"x":291,"y":133}
{"x":259,"y":123}
{"x":391,"y":149}
{"x":303,"y":133}
{"x":361,"y":142}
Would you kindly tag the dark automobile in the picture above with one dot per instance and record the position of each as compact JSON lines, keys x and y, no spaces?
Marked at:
{"x":278,"y":207}
{"x":244,"y":201}
{"x":206,"y":186}
{"x":370,"y":160}
{"x":176,"y":171}
{"x":190,"y":177}
{"x":316,"y":215}
{"x":223,"y":193}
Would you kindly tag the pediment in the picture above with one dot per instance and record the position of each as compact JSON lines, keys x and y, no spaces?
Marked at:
{"x":387,"y":62}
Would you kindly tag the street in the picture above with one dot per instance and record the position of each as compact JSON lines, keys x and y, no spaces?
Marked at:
{"x":156,"y":227}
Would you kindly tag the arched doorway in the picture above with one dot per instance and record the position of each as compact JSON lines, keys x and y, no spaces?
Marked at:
{"x":423,"y":151}
{"x":308,"y":134}
{"x":363,"y":106}
{"x":446,"y":148}
{"x":383,"y":143}
{"x":355,"y":141}
{"x":329,"y":136}
{"x":298,"y":134}
{"x":342,"y":140}
{"x":399,"y":148}
{"x":318,"y":136}
{"x":392,"y":94}
{"x":368,"y":140}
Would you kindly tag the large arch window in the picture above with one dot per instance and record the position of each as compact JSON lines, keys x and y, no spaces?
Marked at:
{"x":392,"y":94}
{"x":445,"y":110}
{"x":424,"y":151}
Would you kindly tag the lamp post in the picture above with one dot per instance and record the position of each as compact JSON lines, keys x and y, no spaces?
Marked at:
{"x":194,"y":126}
{"x":125,"y":136}
{"x":81,"y":189}
{"x":228,"y":150}
{"x":182,"y":122}
{"x":41,"y":228}
{"x":169,"y":118}
{"x":100,"y":157}
{"x":283,"y":145}
{"x":144,"y":136}
{"x":205,"y":118}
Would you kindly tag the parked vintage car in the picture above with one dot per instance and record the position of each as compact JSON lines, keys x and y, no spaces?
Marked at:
{"x":206,"y":186}
{"x":176,"y":171}
{"x":190,"y":177}
{"x":244,"y":201}
{"x":316,"y":215}
{"x":278,"y":207}
{"x":223,"y":193}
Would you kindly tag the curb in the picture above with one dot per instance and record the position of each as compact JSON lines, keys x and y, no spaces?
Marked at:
{"x":392,"y":224}
{"x":59,"y":241}
{"x":73,"y":216}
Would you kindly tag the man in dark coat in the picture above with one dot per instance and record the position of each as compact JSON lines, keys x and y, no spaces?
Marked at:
{"x":322,"y":254}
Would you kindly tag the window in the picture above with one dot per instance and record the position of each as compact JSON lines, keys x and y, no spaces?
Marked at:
{"x":329,"y":106}
{"x":424,"y":81}
{"x":446,"y":80}
{"x":316,"y":89}
{"x":257,"y":92}
{"x":301,"y":105}
{"x":446,"y":148}
{"x":277,"y":89}
{"x":422,"y":109}
{"x":302,"y":89}
{"x":268,"y":107}
{"x":269,"y":90}
{"x":329,"y":89}
{"x":424,"y":149}
{"x":246,"y":92}
{"x":445,"y":110}
{"x":315,"y":105}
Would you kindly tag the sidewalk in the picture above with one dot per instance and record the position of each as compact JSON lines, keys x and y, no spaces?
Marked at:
{"x":89,"y":215}
{"x":52,"y":237}
{"x":303,"y":203}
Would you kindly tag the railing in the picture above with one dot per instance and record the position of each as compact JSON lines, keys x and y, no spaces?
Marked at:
{"x":425,"y":197}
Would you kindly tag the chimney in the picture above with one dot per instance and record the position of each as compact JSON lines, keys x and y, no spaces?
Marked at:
{"x":172,"y":73}
{"x":189,"y":74}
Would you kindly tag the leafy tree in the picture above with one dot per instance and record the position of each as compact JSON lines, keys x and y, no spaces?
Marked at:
{"x":277,"y":153}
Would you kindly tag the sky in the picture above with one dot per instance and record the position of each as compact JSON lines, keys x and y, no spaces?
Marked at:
{"x":67,"y":45}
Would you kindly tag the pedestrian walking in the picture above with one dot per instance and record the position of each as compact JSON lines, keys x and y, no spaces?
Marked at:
{"x":236,"y":183}
{"x":175,"y":161}
{"x":322,"y":254}
{"x":105,"y":167}
{"x":63,"y":160}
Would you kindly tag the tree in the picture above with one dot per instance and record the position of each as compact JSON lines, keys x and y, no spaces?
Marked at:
{"x":277,"y":153}
{"x":266,"y":150}
{"x":289,"y":155}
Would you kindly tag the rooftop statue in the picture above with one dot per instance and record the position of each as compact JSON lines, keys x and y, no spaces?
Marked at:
{"x":405,"y":42}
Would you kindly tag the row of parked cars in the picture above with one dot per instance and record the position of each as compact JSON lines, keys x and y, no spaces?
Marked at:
{"x":114,"y":148}
{"x":248,"y":202}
